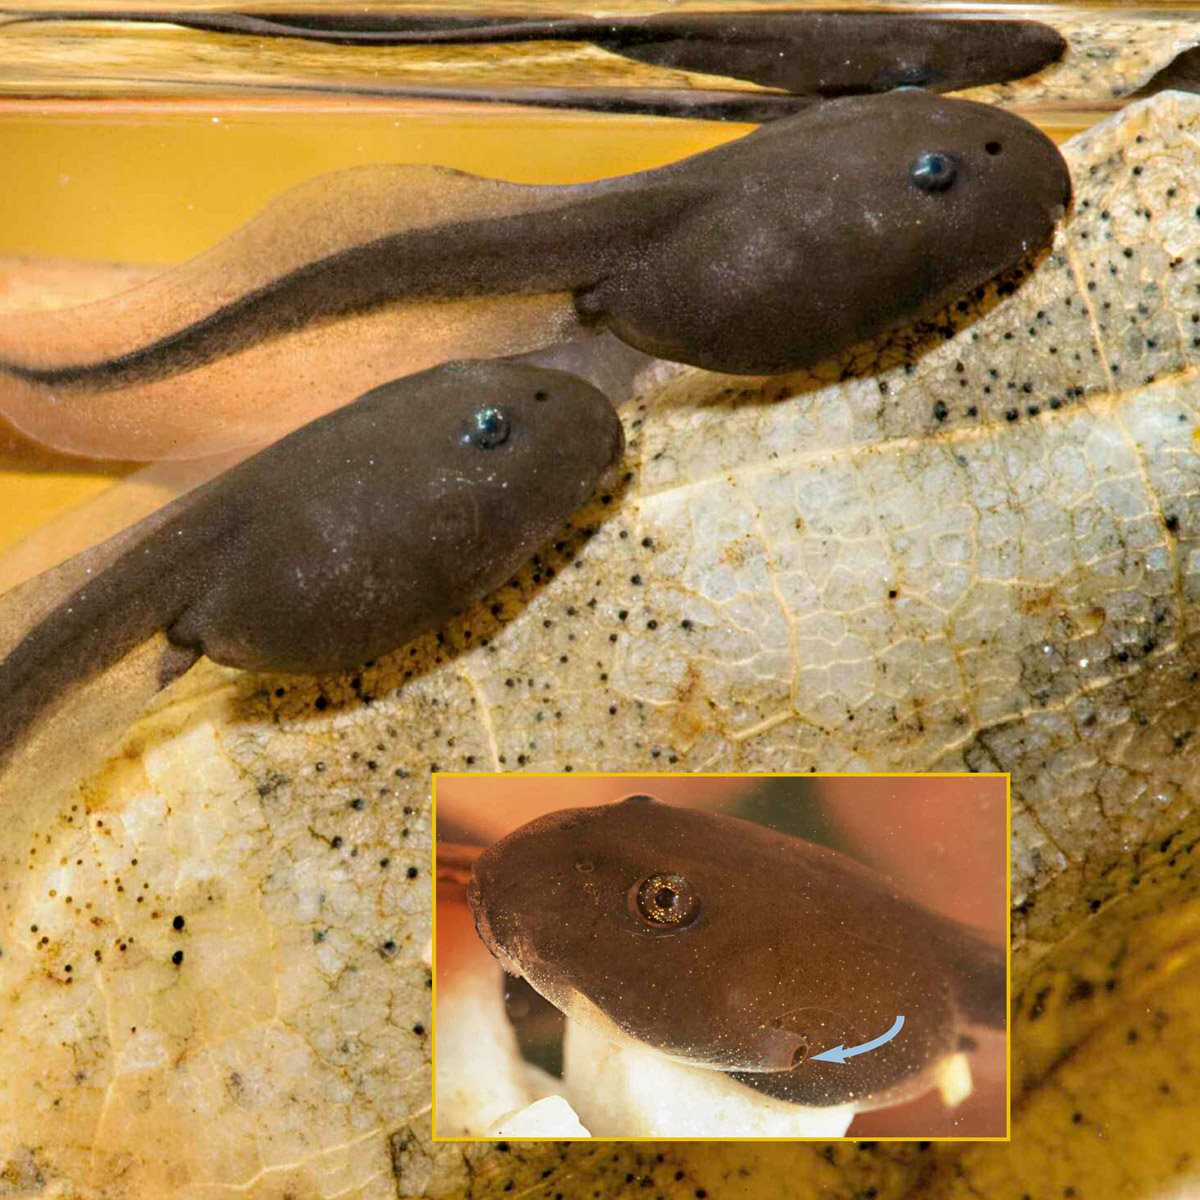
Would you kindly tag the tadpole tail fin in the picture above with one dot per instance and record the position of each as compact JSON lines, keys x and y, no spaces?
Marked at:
{"x":349,"y":274}
{"x":383,"y":29}
{"x":737,"y":105}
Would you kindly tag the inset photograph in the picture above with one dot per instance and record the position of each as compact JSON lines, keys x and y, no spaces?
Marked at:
{"x":737,"y":956}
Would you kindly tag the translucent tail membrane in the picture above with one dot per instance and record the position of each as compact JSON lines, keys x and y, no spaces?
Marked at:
{"x":298,"y":311}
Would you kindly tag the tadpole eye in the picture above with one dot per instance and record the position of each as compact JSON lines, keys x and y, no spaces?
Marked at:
{"x":933,"y":171}
{"x":489,"y":428}
{"x":665,"y":900}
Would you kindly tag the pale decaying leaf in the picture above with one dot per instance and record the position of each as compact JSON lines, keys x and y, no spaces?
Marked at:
{"x":984,"y":555}
{"x":1109,"y":57}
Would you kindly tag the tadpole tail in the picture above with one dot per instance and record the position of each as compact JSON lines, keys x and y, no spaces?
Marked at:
{"x":62,"y":631}
{"x":454,"y":258}
{"x":366,"y":29}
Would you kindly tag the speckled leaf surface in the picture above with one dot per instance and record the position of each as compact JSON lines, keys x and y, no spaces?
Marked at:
{"x":1110,"y":56}
{"x":979,"y":549}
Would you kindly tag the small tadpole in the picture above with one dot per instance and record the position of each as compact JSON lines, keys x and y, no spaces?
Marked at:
{"x":177,"y":958}
{"x":178,"y":923}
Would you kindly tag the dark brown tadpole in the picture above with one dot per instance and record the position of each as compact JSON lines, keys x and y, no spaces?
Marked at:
{"x":830,"y":228}
{"x":830,"y":54}
{"x":766,"y":254}
{"x":731,"y":946}
{"x":814,"y":54}
{"x":356,"y":533}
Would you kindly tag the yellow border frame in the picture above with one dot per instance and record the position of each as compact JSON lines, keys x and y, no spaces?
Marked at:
{"x":475,"y":775}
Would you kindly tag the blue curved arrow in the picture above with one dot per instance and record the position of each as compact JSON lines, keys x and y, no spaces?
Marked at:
{"x":839,"y":1053}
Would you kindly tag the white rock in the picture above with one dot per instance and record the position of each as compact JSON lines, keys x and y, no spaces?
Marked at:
{"x":551,"y":1117}
{"x":479,"y":1074}
{"x":954,"y":1082}
{"x":625,"y":1091}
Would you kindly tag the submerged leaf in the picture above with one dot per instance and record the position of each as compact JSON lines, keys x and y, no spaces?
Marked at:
{"x":1109,"y":57}
{"x":983,"y":552}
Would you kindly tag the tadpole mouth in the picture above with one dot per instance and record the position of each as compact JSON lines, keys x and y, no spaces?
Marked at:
{"x":483,"y":931}
{"x":478,"y":909}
